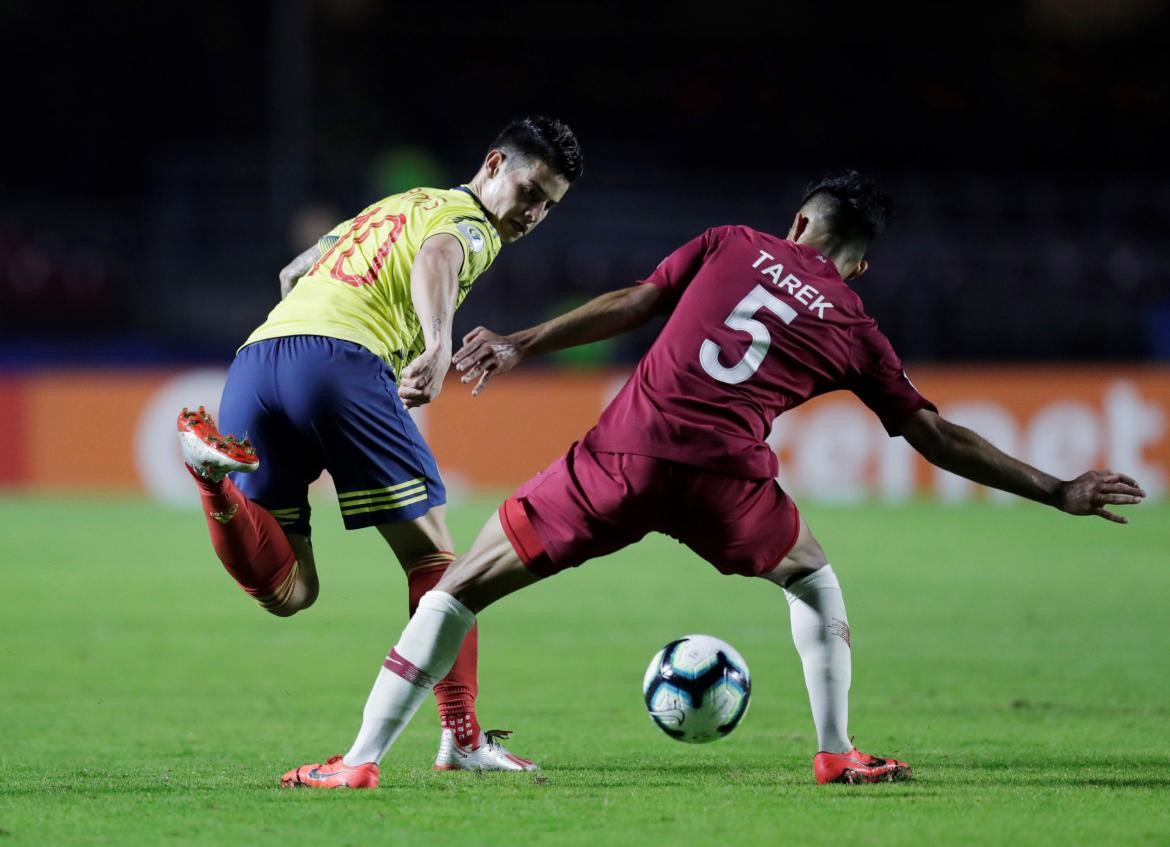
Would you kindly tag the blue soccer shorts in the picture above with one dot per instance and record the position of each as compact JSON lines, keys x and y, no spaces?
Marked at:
{"x":311,"y":403}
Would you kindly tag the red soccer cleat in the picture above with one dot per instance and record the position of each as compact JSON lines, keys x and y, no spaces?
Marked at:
{"x":854,"y":767}
{"x":209,"y":453}
{"x":334,"y":773}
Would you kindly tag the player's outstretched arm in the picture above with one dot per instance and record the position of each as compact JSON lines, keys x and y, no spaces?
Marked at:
{"x":291,"y":273}
{"x":434,"y":287}
{"x":963,"y":452}
{"x":485,"y":353}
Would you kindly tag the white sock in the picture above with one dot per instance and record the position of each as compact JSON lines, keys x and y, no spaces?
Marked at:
{"x":424,"y":654}
{"x":820,"y":631}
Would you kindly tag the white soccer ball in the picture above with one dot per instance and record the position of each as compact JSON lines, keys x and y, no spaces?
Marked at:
{"x":697,"y":689}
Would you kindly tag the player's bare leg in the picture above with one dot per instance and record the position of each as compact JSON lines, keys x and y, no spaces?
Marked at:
{"x":804,"y":559}
{"x":305,"y":586}
{"x":412,"y":540}
{"x":276,"y":570}
{"x":427,"y":649}
{"x":820,"y":631}
{"x":488,"y":572}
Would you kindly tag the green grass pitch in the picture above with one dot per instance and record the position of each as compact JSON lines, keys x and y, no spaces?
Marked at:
{"x":1015,"y":656}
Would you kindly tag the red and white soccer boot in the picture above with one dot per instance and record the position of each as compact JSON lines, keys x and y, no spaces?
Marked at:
{"x":854,"y":767}
{"x":332,"y":773}
{"x":210,"y":454}
{"x":488,"y":755}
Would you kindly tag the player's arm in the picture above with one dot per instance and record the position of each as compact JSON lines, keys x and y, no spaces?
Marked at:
{"x":963,"y":452}
{"x":485,"y":353}
{"x":434,"y":287}
{"x":297,"y":268}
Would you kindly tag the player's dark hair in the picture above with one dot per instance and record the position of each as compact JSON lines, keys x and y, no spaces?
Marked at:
{"x":547,"y":139}
{"x":851,"y":206}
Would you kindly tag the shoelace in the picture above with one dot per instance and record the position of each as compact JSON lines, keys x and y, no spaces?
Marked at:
{"x":493,"y":736}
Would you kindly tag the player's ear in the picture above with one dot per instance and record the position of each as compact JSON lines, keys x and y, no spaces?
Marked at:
{"x":861,"y":268}
{"x":799,"y":225}
{"x":494,"y":162}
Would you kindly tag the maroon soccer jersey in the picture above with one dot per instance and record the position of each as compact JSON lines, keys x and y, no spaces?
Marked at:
{"x":758,"y":325}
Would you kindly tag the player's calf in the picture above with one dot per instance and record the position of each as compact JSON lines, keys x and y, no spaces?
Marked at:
{"x":300,"y":588}
{"x":296,"y":593}
{"x":490,"y":570}
{"x":456,"y":692}
{"x":247,"y":538}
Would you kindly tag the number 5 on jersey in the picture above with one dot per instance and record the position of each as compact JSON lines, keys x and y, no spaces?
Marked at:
{"x":742,"y":318}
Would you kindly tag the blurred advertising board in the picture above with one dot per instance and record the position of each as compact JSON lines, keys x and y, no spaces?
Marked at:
{"x":97,"y":430}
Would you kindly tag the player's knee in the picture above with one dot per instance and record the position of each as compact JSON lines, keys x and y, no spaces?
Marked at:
{"x":806,"y":557}
{"x":458,"y":581}
{"x":471,"y":586}
{"x":303,"y":595}
{"x":290,"y":608}
{"x":418,"y":539}
{"x":479,"y":587}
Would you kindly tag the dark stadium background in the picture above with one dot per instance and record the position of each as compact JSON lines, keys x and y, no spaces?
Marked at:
{"x":161,"y":163}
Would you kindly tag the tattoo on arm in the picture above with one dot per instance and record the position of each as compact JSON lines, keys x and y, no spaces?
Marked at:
{"x":434,"y":289}
{"x":297,"y":268}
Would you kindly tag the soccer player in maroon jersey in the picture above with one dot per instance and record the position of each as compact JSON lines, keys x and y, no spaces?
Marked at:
{"x":757,"y":325}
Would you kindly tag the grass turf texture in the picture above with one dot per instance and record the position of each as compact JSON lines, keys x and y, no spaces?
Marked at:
{"x":1016,"y":657}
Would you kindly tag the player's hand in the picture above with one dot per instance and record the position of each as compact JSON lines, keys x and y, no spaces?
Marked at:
{"x":421,"y":380}
{"x":1091,"y":492}
{"x":484,"y":354}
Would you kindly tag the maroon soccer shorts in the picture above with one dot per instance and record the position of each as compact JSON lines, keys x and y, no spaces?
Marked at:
{"x":588,"y":504}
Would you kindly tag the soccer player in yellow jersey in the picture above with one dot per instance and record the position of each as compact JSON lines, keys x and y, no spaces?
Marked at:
{"x":362,"y":333}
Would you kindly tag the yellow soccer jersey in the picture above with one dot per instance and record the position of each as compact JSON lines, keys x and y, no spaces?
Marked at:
{"x":359,"y":290}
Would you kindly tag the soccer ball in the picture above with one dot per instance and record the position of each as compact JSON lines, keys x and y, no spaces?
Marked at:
{"x":697,"y":689}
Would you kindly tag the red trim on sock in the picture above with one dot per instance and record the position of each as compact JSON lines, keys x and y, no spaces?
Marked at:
{"x":406,"y":669}
{"x":432,"y":560}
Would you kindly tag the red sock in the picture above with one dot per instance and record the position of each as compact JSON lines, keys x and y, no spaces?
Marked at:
{"x":456,"y":691}
{"x":247,"y":539}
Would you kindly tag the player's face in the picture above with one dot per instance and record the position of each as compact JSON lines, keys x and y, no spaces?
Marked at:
{"x":519,"y":193}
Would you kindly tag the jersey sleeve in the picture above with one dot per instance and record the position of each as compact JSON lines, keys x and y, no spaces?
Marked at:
{"x":880,"y":381}
{"x":474,"y":234}
{"x":330,"y":238}
{"x":675,"y":272}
